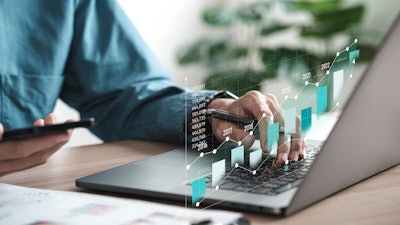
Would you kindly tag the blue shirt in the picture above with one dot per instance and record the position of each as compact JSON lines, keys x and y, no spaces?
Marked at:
{"x":88,"y":54}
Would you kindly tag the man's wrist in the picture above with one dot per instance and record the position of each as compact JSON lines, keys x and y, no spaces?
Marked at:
{"x":199,"y":127}
{"x":220,"y":103}
{"x":218,"y":100}
{"x":203,"y":136}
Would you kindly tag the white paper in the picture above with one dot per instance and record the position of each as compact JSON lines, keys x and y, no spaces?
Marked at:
{"x":21,"y":205}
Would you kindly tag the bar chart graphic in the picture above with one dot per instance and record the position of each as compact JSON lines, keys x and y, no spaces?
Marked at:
{"x":306,"y":115}
{"x":309,"y":105}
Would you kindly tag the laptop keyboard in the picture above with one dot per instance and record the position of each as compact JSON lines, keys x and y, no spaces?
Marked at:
{"x":267,"y":180}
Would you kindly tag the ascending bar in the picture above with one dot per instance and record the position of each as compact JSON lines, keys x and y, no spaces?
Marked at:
{"x":322,"y":100}
{"x":218,"y":172}
{"x":353,"y":55}
{"x":290,"y":121}
{"x":337,"y":84}
{"x":237,"y":156}
{"x":306,"y":119}
{"x":198,"y":190}
{"x":255,"y":158}
{"x":273,"y":137}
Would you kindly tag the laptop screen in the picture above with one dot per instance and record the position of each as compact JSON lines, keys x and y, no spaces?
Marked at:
{"x":309,"y":54}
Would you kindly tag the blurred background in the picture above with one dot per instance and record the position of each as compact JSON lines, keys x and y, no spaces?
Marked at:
{"x":243,"y":45}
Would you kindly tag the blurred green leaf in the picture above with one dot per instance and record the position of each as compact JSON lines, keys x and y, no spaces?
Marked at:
{"x":215,"y":50}
{"x":269,"y":29}
{"x":271,"y":57}
{"x":322,"y":32}
{"x":225,"y":53}
{"x":292,"y":63}
{"x":333,"y":21}
{"x":293,"y":69}
{"x":237,"y":81}
{"x":219,"y":16}
{"x":351,"y":15}
{"x":316,"y":6}
{"x":191,"y":55}
{"x":253,"y":12}
{"x":211,"y":51}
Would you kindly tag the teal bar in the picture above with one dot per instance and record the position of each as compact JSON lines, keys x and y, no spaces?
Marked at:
{"x":273,"y":136}
{"x":338,"y":78}
{"x":255,"y":158}
{"x":353,"y":55}
{"x":322,"y":100}
{"x":290,"y":121}
{"x":237,"y":156}
{"x":198,"y":190}
{"x":306,"y":119}
{"x":218,"y":172}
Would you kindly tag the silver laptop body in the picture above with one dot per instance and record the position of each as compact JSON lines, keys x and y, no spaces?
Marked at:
{"x":363,"y":142}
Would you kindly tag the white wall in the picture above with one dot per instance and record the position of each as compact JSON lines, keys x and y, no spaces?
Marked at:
{"x":168,"y":26}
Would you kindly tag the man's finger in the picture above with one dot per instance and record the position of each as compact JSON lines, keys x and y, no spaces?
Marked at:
{"x":263,"y":134}
{"x":39,"y":122}
{"x":272,"y":103}
{"x":297,"y":147}
{"x":1,"y":131}
{"x":256,"y":104}
{"x":296,"y":150}
{"x":283,"y":150}
{"x":50,"y":119}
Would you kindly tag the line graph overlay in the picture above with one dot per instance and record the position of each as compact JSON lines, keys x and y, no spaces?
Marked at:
{"x":318,"y":98}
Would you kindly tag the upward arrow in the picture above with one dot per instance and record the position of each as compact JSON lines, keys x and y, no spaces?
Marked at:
{"x":354,"y":61}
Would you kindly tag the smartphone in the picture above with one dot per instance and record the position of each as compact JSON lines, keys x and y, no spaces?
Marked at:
{"x":35,"y":131}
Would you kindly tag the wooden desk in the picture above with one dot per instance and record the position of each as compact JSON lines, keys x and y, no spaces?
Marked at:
{"x":373,"y":201}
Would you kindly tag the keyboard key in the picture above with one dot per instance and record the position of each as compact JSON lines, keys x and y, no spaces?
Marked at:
{"x":229,"y":186}
{"x":261,"y":190}
{"x":241,"y":188}
{"x":287,"y":187}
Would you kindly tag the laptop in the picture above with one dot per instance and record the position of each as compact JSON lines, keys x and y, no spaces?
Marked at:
{"x":363,"y":141}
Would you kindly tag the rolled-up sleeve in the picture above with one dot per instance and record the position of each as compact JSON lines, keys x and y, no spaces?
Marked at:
{"x":112,"y":75}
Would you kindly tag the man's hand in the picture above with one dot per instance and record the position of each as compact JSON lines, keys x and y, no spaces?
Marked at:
{"x":257,"y":106}
{"x":22,"y":154}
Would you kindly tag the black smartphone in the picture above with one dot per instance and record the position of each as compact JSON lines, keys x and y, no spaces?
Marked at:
{"x":35,"y":131}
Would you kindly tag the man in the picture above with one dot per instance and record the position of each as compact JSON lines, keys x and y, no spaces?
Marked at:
{"x":88,"y":53}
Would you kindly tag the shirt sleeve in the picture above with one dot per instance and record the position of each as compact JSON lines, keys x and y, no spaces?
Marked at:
{"x":112,"y":75}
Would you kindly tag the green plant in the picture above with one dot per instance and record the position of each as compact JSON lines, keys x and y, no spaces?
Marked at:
{"x":241,"y":64}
